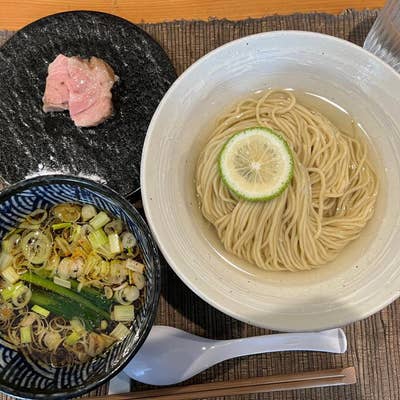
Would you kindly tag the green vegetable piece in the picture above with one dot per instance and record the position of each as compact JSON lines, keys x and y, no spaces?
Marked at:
{"x":67,"y":293}
{"x":40,"y":310}
{"x":9,"y":292}
{"x":25,"y":333}
{"x":72,"y":338}
{"x":94,"y":296}
{"x":66,"y":308}
{"x":99,"y":220}
{"x":97,"y":238}
{"x":61,"y":225}
{"x":124,"y":313}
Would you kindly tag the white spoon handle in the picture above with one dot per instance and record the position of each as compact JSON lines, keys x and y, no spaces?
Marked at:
{"x":331,"y":341}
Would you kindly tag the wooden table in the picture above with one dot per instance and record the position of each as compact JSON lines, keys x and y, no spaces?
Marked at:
{"x":16,"y":13}
{"x":374,"y":343}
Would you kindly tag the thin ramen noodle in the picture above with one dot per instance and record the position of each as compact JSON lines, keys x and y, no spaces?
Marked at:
{"x":326,"y":206}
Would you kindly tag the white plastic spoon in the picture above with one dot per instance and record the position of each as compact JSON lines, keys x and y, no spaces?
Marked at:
{"x":170,"y":355}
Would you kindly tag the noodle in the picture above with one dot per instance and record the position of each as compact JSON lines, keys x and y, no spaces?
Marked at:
{"x":327,"y":204}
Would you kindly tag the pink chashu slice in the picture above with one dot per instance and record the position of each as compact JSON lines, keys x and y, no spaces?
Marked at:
{"x":89,"y":85}
{"x":56,"y":95}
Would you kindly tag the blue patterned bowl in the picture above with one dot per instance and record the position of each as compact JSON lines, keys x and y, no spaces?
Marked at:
{"x":24,"y":378}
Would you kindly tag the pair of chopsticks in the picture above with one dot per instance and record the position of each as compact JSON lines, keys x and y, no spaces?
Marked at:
{"x":303,"y":380}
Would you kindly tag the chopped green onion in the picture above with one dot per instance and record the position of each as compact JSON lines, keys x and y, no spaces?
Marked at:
{"x":36,"y":247}
{"x":115,"y":226}
{"x":18,"y":291}
{"x":8,"y":292}
{"x":128,"y":240}
{"x":37,"y":216}
{"x":63,"y":245}
{"x":67,"y":212}
{"x":120,"y":332}
{"x":61,"y":225}
{"x":25,"y":332}
{"x":11,"y":243}
{"x":105,"y":251}
{"x":5,"y":260}
{"x":103,"y":324}
{"x":115,"y":244}
{"x":124,"y":313}
{"x":10,"y":275}
{"x":99,"y":220}
{"x":108,"y":292}
{"x":26,"y":225}
{"x":139,"y":280}
{"x":76,"y":233}
{"x":77,"y":326}
{"x":88,"y":212}
{"x":71,"y":339}
{"x":134,"y":265}
{"x":97,"y":238}
{"x":62,"y":282}
{"x":12,"y":232}
{"x":40,"y":310}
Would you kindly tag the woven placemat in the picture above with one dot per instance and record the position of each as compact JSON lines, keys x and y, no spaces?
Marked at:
{"x":373,"y":343}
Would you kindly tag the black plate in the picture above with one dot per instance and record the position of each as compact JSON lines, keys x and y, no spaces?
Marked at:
{"x":32,"y":141}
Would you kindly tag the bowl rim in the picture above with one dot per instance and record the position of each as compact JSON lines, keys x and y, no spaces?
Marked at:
{"x":285,"y":34}
{"x":140,"y":222}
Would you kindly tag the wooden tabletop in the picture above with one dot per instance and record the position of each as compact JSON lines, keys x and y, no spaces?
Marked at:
{"x":373,"y":343}
{"x":16,"y":13}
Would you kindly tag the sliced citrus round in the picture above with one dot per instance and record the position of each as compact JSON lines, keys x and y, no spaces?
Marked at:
{"x":256,"y":164}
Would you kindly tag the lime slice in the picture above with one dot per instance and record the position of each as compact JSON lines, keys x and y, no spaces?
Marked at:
{"x":256,"y":164}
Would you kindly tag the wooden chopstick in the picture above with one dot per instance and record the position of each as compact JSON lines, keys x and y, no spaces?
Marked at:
{"x":302,"y":380}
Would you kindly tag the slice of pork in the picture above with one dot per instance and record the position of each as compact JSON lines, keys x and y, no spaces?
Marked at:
{"x":56,"y":95}
{"x":90,"y":85}
{"x":81,"y":86}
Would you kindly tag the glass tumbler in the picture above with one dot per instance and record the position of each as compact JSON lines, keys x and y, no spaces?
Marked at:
{"x":383,"y":39}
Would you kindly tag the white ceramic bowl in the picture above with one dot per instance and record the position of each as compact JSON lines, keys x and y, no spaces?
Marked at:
{"x":366,"y":276}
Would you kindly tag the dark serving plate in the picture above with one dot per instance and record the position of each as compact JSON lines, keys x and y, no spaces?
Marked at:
{"x":33,"y":142}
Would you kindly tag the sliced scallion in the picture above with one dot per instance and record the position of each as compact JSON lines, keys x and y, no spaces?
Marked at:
{"x":61,"y":225}
{"x":139,"y":280}
{"x":8,"y":292}
{"x":124,"y":313}
{"x":114,"y":242}
{"x":36,"y":247}
{"x":134,"y":265}
{"x":10,"y":275}
{"x":99,"y":220}
{"x":98,"y":238}
{"x":128,"y":240}
{"x":5,"y":260}
{"x":62,"y":282}
{"x":41,"y":311}
{"x":120,"y":332}
{"x":76,"y":233}
{"x":25,"y":333}
{"x":114,"y":226}
{"x":63,"y":246}
{"x":71,"y":339}
{"x":11,"y":243}
{"x":88,"y":212}
{"x":103,"y":324}
{"x":77,"y":326}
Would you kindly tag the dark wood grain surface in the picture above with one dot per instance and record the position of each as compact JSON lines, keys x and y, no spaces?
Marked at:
{"x":373,"y":344}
